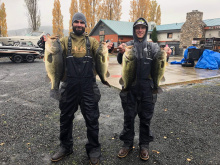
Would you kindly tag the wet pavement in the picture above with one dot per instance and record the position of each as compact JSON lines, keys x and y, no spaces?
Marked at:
{"x":174,"y":73}
{"x":185,"y":125}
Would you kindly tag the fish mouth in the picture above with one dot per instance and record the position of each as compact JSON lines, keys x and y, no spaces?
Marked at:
{"x":127,"y":57}
{"x":130,"y":58}
{"x":53,"y":37}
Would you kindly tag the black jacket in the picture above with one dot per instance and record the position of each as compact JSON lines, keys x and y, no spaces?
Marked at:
{"x":41,"y":43}
{"x":142,"y":49}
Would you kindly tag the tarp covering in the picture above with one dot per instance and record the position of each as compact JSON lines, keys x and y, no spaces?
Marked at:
{"x":209,"y":60}
{"x":185,"y":56}
{"x":176,"y":62}
{"x":186,"y":51}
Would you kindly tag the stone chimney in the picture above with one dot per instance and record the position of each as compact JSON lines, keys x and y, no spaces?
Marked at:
{"x":192,"y":28}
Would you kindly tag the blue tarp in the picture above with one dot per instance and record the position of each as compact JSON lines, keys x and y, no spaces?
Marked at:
{"x":209,"y":60}
{"x":186,"y":51}
{"x":176,"y":62}
{"x":185,"y":56}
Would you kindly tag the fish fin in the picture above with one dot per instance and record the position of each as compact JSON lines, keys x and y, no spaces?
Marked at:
{"x":163,"y":79}
{"x":49,"y":58}
{"x":54,"y":93}
{"x":157,"y":90}
{"x":121,"y":82}
{"x":162,"y":64}
{"x":47,"y":79}
{"x":106,"y":83}
{"x":107,"y":74}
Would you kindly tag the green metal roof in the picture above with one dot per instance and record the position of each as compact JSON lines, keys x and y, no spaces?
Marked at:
{"x":177,"y":26}
{"x":174,"y":26}
{"x":212,"y":22}
{"x":123,"y":28}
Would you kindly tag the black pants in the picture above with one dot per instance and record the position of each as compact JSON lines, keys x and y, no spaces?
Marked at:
{"x":83,"y":93}
{"x":138,"y":100}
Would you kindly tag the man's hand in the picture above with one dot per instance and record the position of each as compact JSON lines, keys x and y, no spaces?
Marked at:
{"x":110,"y":45}
{"x":122,"y":48}
{"x":168,"y":51}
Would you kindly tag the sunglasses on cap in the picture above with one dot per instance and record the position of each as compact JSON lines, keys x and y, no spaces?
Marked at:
{"x":140,"y":22}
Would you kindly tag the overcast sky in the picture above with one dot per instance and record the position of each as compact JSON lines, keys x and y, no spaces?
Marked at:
{"x":172,"y":11}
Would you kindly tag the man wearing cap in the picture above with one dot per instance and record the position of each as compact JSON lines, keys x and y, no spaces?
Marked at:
{"x":79,"y":88}
{"x":139,"y":99}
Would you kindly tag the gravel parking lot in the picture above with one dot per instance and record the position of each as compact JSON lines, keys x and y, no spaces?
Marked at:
{"x":186,"y":123}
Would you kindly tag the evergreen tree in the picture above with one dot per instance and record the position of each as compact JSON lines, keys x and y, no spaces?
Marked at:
{"x":57,"y":19}
{"x":154,"y":35}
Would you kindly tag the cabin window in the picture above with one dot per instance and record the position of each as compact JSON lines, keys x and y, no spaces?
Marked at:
{"x":101,"y":38}
{"x":169,"y":35}
{"x":101,"y":35}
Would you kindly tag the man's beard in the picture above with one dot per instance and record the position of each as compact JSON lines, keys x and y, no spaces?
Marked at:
{"x":78,"y":32}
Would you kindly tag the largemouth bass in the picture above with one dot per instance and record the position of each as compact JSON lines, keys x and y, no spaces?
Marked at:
{"x":101,"y":63}
{"x":158,"y":69}
{"x":54,"y":64}
{"x":128,"y":68}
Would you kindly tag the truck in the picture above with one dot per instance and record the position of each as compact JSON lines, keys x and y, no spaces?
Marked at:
{"x":19,"y":54}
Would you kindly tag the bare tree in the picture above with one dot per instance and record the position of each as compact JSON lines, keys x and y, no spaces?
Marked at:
{"x":33,"y":14}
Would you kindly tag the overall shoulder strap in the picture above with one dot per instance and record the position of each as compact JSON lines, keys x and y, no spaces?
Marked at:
{"x":69,"y":46}
{"x":149,"y":50}
{"x":87,"y":45}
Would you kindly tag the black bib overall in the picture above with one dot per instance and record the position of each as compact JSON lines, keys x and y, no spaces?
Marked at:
{"x":139,"y":100}
{"x":80,"y":89}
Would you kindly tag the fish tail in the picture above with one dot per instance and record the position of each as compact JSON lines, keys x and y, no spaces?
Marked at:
{"x":47,"y":79}
{"x":107,"y":74}
{"x":54,"y":93}
{"x":106,"y":83}
{"x":121,"y":82}
{"x":160,"y":90}
{"x":157,"y":90}
{"x":163,"y":79}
